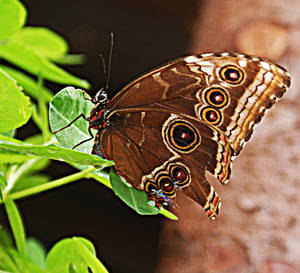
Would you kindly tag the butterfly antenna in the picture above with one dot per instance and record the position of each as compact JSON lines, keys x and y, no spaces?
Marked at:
{"x":107,"y":72}
{"x":109,"y":59}
{"x":104,"y":67}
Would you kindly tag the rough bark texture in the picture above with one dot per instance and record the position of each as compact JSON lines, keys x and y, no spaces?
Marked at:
{"x":259,"y":226}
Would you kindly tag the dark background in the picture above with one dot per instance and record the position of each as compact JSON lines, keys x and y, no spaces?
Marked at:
{"x":147,"y":34}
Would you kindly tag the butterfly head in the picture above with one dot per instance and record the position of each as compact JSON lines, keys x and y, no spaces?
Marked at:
{"x":100,"y":97}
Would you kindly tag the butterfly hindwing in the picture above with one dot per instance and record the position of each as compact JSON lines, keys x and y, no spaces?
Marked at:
{"x":160,"y":153}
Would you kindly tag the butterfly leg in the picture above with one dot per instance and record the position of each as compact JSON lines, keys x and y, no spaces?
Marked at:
{"x":159,"y":199}
{"x":78,"y":117}
{"x":84,"y":96}
{"x":88,"y":139}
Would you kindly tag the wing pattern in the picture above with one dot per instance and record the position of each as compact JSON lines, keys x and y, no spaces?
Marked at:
{"x":169,"y":126}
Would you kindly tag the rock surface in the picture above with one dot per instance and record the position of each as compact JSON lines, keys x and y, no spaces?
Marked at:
{"x":259,"y":226}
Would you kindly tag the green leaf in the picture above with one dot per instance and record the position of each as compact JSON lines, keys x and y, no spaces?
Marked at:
{"x":36,"y":252}
{"x":5,"y":238}
{"x":65,"y":107}
{"x":15,"y":108}
{"x":100,"y":176}
{"x":36,"y":64}
{"x":64,"y":253}
{"x":29,"y":85}
{"x":7,"y":156}
{"x":71,"y":59}
{"x":10,"y":139}
{"x":55,"y":152}
{"x":6,"y":245}
{"x":16,"y":224}
{"x":35,"y":139}
{"x":40,"y":115}
{"x":25,"y":265}
{"x":168,"y":214}
{"x":93,"y":263}
{"x":9,"y":133}
{"x":3,"y":184}
{"x":42,"y":40}
{"x":12,"y":17}
{"x":39,"y":164}
{"x":7,"y":263}
{"x":134,"y":198}
{"x":1,"y":271}
{"x":12,"y":157}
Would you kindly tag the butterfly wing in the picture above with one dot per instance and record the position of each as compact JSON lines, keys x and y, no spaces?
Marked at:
{"x":191,"y":115}
{"x":228,"y":91}
{"x":160,"y":152}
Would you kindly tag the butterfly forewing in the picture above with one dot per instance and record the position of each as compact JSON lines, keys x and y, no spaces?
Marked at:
{"x":246,"y":85}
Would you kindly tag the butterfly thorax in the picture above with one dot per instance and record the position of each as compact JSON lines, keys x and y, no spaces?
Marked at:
{"x":98,"y":117}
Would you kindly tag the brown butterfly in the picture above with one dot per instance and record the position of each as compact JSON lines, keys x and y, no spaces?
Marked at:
{"x":167,"y":127}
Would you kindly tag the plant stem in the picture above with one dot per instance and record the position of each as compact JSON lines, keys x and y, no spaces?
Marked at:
{"x":168,"y":214}
{"x":50,"y":185}
{"x":100,"y":179}
{"x":15,"y":173}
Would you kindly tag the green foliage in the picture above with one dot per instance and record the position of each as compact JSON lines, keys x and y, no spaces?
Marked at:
{"x":76,"y":253}
{"x":134,"y":198}
{"x":65,"y":107}
{"x":36,"y":252}
{"x":55,"y":152}
{"x":33,"y":50}
{"x":29,"y":85}
{"x":16,"y":224}
{"x":15,"y":109}
{"x":12,"y":17}
{"x":28,"y":59}
{"x":37,"y":51}
{"x":43,"y":41}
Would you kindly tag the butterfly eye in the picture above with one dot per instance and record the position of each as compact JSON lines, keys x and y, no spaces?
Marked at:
{"x":231,"y":74}
{"x":180,"y":174}
{"x":182,"y":136}
{"x":211,"y":115}
{"x":216,"y":97}
{"x":100,"y":97}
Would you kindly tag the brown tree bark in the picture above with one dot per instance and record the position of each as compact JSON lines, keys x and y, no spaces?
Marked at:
{"x":259,"y":226}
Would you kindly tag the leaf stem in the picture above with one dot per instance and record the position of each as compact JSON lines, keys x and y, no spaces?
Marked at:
{"x":168,"y":214}
{"x":16,"y":225}
{"x":100,"y":179}
{"x":15,"y":173}
{"x":50,"y":185}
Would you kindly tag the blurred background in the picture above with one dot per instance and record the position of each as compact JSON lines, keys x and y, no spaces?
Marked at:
{"x":258,"y":229}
